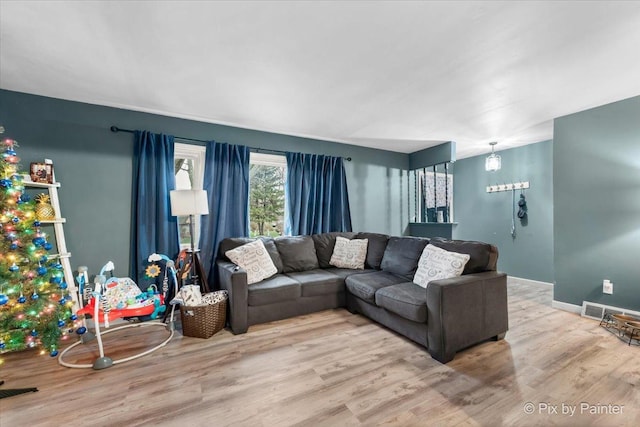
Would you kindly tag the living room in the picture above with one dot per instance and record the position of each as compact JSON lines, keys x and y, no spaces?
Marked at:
{"x":581,"y":229}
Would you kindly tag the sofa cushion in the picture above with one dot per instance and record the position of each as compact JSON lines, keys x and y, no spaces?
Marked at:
{"x":253,"y":257}
{"x":275,"y":289}
{"x":233,"y":242}
{"x":324,"y":243}
{"x":405,"y":299}
{"x":317,"y":282}
{"x":349,"y":253}
{"x":364,"y":286}
{"x":484,"y":256}
{"x":402,"y":254}
{"x":375,"y":250}
{"x":436,"y":263}
{"x":346,"y":272}
{"x":298,"y":253}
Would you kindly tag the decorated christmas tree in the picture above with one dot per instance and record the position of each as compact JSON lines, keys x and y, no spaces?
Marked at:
{"x":35,"y":305}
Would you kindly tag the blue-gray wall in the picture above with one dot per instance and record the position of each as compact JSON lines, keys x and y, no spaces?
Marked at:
{"x":487,"y":216}
{"x":94,"y":167}
{"x":597,"y":208}
{"x":442,"y":153}
{"x":583,"y":222}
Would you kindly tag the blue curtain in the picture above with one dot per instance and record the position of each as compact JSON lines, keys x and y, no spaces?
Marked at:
{"x":226,"y":179}
{"x":154,"y":229}
{"x":316,"y":194}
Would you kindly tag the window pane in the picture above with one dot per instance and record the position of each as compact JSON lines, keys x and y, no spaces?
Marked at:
{"x":184,"y":174}
{"x":184,"y":181}
{"x":437,"y":191}
{"x":266,"y":196}
{"x":431,"y":194}
{"x":189,"y":170}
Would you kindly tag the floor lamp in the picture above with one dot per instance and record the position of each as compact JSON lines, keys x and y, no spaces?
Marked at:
{"x":191,"y":203}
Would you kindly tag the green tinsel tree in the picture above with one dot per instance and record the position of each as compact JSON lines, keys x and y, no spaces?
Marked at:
{"x":35,"y":305}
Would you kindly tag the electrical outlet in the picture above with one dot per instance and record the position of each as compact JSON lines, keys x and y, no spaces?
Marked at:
{"x":607,"y":287}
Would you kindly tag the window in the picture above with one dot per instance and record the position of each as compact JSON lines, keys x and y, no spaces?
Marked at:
{"x":267,"y":175}
{"x":432,"y":194}
{"x":189,"y":170}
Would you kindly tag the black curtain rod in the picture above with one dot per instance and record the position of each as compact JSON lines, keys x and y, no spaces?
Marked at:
{"x":116,"y":129}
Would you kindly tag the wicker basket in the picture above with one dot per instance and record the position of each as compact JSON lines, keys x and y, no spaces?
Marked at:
{"x":204,"y":320}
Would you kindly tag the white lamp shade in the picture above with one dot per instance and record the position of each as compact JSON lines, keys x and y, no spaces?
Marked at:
{"x":189,"y":202}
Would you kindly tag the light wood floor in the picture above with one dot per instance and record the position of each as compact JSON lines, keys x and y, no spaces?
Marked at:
{"x":337,"y":369}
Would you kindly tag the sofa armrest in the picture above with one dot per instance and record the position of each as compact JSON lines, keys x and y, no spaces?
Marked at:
{"x":465,"y":310}
{"x":234,"y":280}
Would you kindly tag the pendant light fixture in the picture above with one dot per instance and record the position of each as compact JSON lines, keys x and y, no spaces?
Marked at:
{"x":493,"y":161}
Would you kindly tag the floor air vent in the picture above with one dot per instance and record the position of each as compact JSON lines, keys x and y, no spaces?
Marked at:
{"x":597,"y":311}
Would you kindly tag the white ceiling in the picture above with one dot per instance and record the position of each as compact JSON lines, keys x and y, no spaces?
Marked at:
{"x":400,"y":76}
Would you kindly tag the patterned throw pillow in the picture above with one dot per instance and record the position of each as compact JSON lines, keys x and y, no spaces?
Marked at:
{"x":215,"y":297}
{"x":436,"y":263}
{"x":349,"y":253}
{"x":255,"y":259}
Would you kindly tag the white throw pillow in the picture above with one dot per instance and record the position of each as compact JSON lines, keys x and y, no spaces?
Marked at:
{"x":255,"y":259}
{"x":436,"y":263}
{"x":349,"y":253}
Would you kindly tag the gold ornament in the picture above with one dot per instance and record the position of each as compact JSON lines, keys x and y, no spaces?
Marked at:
{"x":44,"y":210}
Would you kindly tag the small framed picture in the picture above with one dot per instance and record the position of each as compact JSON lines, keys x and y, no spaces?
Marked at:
{"x":41,"y":172}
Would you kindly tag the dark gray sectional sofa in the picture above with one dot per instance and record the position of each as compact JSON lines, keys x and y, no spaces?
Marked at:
{"x":448,"y":316}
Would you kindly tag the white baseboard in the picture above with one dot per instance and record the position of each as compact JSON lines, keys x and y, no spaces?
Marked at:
{"x":512,"y":280}
{"x":565,"y":306}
